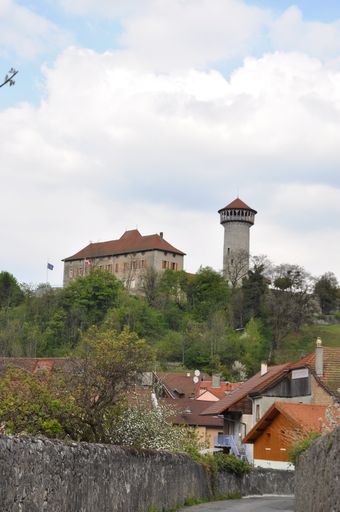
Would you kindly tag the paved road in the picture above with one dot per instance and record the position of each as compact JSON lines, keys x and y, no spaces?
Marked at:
{"x":261,"y":504}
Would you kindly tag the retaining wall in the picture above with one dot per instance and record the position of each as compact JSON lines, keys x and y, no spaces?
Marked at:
{"x":317,"y":483}
{"x":38,"y":475}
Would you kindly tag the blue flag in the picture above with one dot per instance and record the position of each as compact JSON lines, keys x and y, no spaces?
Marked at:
{"x":50,"y":266}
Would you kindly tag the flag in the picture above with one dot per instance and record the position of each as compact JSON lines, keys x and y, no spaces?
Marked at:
{"x":50,"y":266}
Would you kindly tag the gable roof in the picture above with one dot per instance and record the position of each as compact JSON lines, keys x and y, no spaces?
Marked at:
{"x":130,"y":241}
{"x":239,"y":204}
{"x":224,"y":389}
{"x":331,"y":368}
{"x":306,"y":417}
{"x":179,"y":384}
{"x":190,"y":413}
{"x":255,"y":383}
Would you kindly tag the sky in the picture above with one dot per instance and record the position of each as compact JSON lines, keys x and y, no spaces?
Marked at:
{"x":155,"y":114}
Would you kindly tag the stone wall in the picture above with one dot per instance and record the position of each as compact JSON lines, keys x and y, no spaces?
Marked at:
{"x":38,"y":475}
{"x":317,"y":483}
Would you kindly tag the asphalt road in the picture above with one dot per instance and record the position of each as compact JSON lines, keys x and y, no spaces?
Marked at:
{"x":261,"y":504}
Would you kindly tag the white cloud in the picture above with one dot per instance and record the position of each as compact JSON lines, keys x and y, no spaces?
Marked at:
{"x":111,"y":147}
{"x":173,"y":34}
{"x":289,"y":32}
{"x":26,"y":33}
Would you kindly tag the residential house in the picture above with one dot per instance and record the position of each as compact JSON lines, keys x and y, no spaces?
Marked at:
{"x":284,"y":424}
{"x":313,"y":379}
{"x":128,"y":258}
{"x":189,"y":413}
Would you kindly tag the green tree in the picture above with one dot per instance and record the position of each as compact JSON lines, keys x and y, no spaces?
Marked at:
{"x":10,"y":292}
{"x":81,"y":402}
{"x":327,"y":288}
{"x":207,"y":292}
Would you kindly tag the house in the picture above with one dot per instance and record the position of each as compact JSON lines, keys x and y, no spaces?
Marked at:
{"x":128,"y":258}
{"x":214,"y":389}
{"x":313,"y":379}
{"x":189,"y":413}
{"x":284,"y":424}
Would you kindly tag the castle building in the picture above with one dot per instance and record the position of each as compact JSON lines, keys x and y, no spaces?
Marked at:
{"x":237,"y":219}
{"x":128,"y":258}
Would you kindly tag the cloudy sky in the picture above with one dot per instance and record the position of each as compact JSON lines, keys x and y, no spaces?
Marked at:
{"x":156,"y":113}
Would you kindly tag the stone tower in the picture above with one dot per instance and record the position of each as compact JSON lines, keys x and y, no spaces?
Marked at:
{"x":237,"y":219}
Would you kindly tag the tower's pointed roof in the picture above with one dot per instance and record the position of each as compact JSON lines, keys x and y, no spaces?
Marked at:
{"x":238,"y":203}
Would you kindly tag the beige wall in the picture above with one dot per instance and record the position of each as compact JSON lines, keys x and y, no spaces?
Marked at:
{"x":208,"y":434}
{"x":129,"y":268}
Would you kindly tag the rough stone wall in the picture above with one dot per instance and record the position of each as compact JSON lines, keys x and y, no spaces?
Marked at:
{"x":38,"y":475}
{"x":257,"y":482}
{"x":317,"y":481}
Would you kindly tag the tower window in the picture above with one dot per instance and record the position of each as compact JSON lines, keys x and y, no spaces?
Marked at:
{"x":228,"y":251}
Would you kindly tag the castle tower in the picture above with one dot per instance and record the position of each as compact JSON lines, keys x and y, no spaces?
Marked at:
{"x":237,"y":219}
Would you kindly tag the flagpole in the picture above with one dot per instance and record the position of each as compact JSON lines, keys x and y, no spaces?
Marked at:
{"x":46,"y":272}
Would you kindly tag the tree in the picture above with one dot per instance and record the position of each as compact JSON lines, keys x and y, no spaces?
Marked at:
{"x":141,"y":427}
{"x":236,"y":267}
{"x":290,"y":301}
{"x":10,"y":291}
{"x":82,"y":401}
{"x":255,"y":288}
{"x":326,"y":288}
{"x":105,"y":365}
{"x":207,"y":292}
{"x":9,"y":77}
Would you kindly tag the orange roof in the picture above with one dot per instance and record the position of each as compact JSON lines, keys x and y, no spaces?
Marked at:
{"x":331,"y":367}
{"x":220,"y":392}
{"x":255,"y":383}
{"x":237,"y":203}
{"x":307,"y":417}
{"x":130,"y":241}
{"x":180,"y":384}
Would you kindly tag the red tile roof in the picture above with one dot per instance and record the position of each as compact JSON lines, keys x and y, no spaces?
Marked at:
{"x":130,"y":241}
{"x":255,"y":383}
{"x":239,"y":204}
{"x":224,"y":389}
{"x":306,"y":417}
{"x":331,"y":367}
{"x":180,"y":384}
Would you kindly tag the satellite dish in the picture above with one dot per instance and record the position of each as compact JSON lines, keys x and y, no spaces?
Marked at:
{"x":197,"y":373}
{"x":195,"y":379}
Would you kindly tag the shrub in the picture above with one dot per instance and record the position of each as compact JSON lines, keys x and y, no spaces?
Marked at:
{"x":301,"y":446}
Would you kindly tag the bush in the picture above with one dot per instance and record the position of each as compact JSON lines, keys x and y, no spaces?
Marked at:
{"x":301,"y":446}
{"x":222,"y":463}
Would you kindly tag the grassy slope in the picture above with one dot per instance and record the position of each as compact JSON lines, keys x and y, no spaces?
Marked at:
{"x":301,"y":343}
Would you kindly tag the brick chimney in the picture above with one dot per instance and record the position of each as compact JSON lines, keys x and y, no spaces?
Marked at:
{"x":319,"y":358}
{"x":216,"y":381}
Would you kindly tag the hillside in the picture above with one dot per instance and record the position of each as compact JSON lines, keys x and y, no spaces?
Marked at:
{"x":299,"y":343}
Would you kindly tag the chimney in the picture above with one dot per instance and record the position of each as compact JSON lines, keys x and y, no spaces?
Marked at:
{"x":161,"y":235}
{"x":216,"y":381}
{"x":319,"y":358}
{"x":264,"y":369}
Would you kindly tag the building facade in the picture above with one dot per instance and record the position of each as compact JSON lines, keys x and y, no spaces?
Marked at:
{"x":128,"y":258}
{"x":237,"y":219}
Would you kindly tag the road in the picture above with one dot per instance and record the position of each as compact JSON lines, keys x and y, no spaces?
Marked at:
{"x":260,"y":504}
